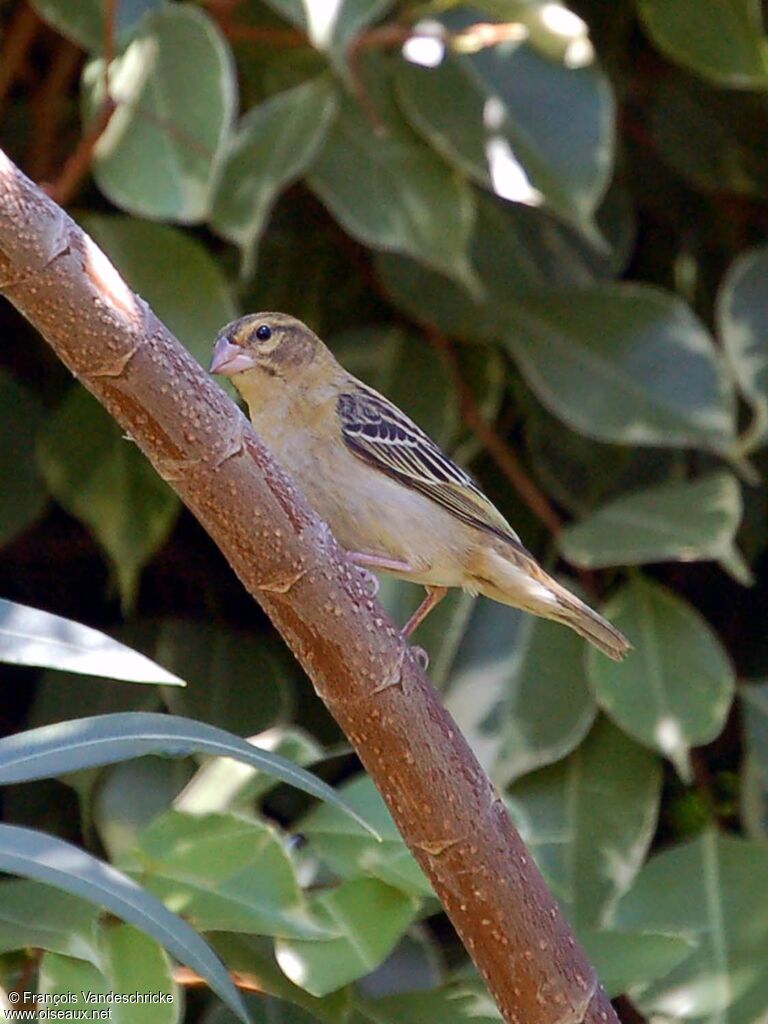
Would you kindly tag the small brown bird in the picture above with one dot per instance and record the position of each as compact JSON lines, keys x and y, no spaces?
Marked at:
{"x":392,"y":498}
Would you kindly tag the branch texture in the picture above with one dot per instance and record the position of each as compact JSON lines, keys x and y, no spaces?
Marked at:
{"x":449,"y":813}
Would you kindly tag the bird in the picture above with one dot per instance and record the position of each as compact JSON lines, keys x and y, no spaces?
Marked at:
{"x":391,"y":496}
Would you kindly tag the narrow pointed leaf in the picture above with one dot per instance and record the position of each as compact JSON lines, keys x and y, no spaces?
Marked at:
{"x":47,"y":859}
{"x":29,"y":636}
{"x":106,"y":739}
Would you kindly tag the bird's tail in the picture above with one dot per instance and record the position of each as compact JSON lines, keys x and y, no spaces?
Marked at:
{"x":523,"y":583}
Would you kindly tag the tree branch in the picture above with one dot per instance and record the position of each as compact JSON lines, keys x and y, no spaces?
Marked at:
{"x":450,"y":815}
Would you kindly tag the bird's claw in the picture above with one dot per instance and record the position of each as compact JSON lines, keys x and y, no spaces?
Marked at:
{"x":422,"y":657}
{"x":371,"y":582}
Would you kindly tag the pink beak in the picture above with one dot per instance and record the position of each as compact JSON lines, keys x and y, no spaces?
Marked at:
{"x":229,"y":359}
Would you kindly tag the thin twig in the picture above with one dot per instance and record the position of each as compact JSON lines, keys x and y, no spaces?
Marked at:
{"x":188,"y":978}
{"x":18,"y":40}
{"x":48,"y":106}
{"x":495,"y":445}
{"x":78,"y":164}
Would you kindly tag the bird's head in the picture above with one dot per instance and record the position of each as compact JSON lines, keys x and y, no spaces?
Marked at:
{"x":274,"y":344}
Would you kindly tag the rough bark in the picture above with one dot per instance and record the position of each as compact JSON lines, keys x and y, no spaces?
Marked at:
{"x":449,"y":813}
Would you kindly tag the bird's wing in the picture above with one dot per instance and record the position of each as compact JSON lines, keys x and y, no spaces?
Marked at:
{"x":377,"y":431}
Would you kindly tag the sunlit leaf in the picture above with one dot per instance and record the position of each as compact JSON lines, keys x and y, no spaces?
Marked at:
{"x":686,"y":522}
{"x":624,"y":363}
{"x":520,"y":125}
{"x":589,"y":828}
{"x":29,"y":636}
{"x":176,"y":93}
{"x":223,"y":873}
{"x":350,"y":852}
{"x":103,"y":479}
{"x":705,"y":890}
{"x":331,"y":24}
{"x":106,"y":739}
{"x":674,"y":690}
{"x":167,"y":267}
{"x":370,"y":917}
{"x":398,"y":197}
{"x":274,"y":145}
{"x":518,"y":690}
{"x":47,"y":859}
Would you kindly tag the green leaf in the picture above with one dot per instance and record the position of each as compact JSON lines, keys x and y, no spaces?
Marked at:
{"x":106,"y":739}
{"x":351,"y":853}
{"x":589,"y":828}
{"x":518,"y":124}
{"x":683,"y":522}
{"x":721,"y":40}
{"x":83,"y":22}
{"x":215,"y":662}
{"x":254,"y":955}
{"x":624,"y":363}
{"x":675,"y":689}
{"x":176,"y":95}
{"x":103,"y":479}
{"x":47,"y":859}
{"x":370,"y":918}
{"x":223,"y":873}
{"x":518,"y":690}
{"x":742,"y":312}
{"x":129,"y":963}
{"x":395,"y":194}
{"x":40,"y":917}
{"x":274,"y":145}
{"x":457,"y":1004}
{"x":166,"y":266}
{"x":23,"y":495}
{"x":227,"y":785}
{"x":708,"y":890}
{"x":29,"y":636}
{"x":624,"y":960}
{"x":331,"y":26}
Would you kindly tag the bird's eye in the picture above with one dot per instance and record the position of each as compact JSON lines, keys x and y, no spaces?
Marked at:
{"x":263,"y":333}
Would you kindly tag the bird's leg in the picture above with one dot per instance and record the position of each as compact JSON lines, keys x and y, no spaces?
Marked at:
{"x":366,"y":562}
{"x":434,"y":596}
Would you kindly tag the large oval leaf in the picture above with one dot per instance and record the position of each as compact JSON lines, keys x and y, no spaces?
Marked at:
{"x":47,"y":859}
{"x":521,"y":125}
{"x":175,"y":92}
{"x":682,"y":521}
{"x":275,"y":143}
{"x":107,"y":739}
{"x":589,"y":828}
{"x":742,"y":310}
{"x":675,"y":689}
{"x":29,"y":636}
{"x":624,"y":363}
{"x":722,"y":40}
{"x":101,"y":477}
{"x":705,"y":890}
{"x":398,"y":197}
{"x":84,"y":21}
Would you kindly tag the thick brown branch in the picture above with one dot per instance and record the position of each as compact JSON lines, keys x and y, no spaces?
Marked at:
{"x":449,"y":813}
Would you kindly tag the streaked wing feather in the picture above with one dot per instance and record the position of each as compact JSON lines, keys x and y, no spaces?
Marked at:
{"x":378,"y":432}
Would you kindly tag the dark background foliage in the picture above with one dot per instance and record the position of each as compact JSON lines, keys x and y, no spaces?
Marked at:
{"x":542,"y":232}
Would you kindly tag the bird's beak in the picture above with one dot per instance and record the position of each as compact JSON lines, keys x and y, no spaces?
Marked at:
{"x":229,"y":359}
